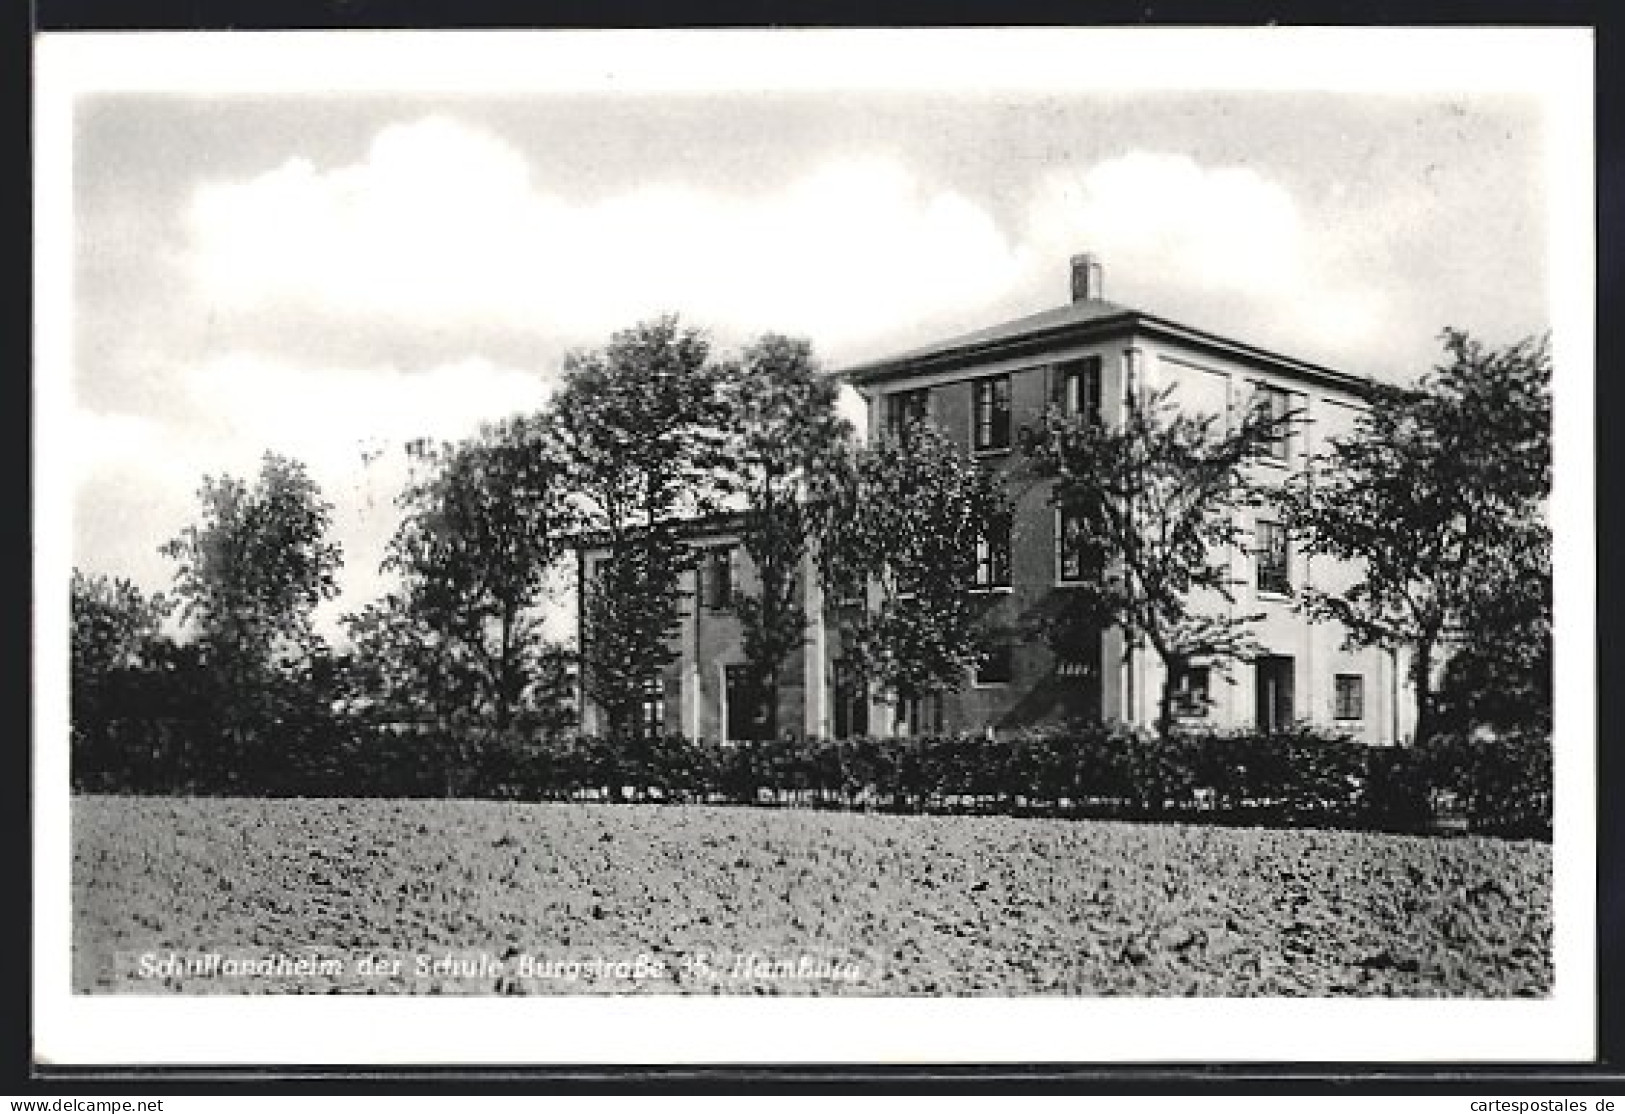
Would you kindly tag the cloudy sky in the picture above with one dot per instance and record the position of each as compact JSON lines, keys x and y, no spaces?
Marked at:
{"x":327,"y":274}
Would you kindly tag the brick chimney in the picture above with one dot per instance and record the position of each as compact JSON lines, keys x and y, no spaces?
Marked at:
{"x":1088,"y":281}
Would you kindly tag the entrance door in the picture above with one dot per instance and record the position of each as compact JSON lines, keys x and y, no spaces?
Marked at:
{"x":1272,"y":692}
{"x":747,"y":712}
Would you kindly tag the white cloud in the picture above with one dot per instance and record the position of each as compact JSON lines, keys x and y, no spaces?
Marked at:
{"x":1228,"y":240}
{"x":133,"y":480}
{"x":1150,"y":213}
{"x":101,"y":440}
{"x":348,"y":425}
{"x":447,"y":226}
{"x":328,"y":416}
{"x":444,"y":222}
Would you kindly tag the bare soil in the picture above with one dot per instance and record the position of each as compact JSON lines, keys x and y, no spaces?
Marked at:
{"x":695,"y":899}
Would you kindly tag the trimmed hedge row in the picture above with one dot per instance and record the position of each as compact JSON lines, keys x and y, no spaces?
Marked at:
{"x":1294,"y":778}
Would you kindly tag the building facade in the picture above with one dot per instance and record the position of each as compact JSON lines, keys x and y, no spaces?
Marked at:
{"x":981,"y":388}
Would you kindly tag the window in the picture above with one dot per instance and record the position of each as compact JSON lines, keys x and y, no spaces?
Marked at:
{"x":920,"y":715}
{"x":1075,"y":388}
{"x":652,"y":714}
{"x":1276,"y":404}
{"x":1274,"y":572}
{"x":997,"y":666}
{"x":1273,"y":679}
{"x":1349,"y":696}
{"x":904,"y":408}
{"x":1191,"y":698}
{"x":718,"y":578}
{"x":992,"y":398}
{"x":993,"y":554}
{"x":1072,"y":549}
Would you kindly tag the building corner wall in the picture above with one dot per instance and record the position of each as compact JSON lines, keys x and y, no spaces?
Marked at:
{"x":689,"y":669}
{"x":815,"y":658}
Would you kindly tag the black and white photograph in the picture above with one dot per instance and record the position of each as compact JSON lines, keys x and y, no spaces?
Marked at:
{"x":998,"y":544}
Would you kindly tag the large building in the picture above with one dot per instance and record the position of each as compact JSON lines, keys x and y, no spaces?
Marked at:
{"x":980,"y":388}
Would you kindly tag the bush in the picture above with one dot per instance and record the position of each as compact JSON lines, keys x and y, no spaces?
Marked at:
{"x":1298,"y":777}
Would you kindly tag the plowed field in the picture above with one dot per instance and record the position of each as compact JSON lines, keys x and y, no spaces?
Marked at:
{"x":380,"y":896}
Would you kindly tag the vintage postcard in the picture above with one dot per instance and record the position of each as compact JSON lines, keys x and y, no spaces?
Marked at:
{"x":788,"y":546}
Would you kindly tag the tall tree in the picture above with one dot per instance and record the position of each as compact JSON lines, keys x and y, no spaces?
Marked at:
{"x":786,"y":440}
{"x":643,"y":427}
{"x":1499,"y":673}
{"x":113,"y":623}
{"x":116,"y":630}
{"x":1152,"y":504}
{"x":486,"y":521}
{"x":252,"y":571}
{"x":1437,"y":499}
{"x":401,"y":668}
{"x":903,"y":522}
{"x":404,"y":669}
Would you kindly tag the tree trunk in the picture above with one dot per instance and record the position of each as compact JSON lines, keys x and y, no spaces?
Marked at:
{"x":1165,"y":699}
{"x":504,"y":674}
{"x":767,"y":703}
{"x":1165,"y":704}
{"x":1422,"y":678}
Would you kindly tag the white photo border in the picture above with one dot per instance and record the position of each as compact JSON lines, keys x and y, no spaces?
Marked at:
{"x":1555,"y":66}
